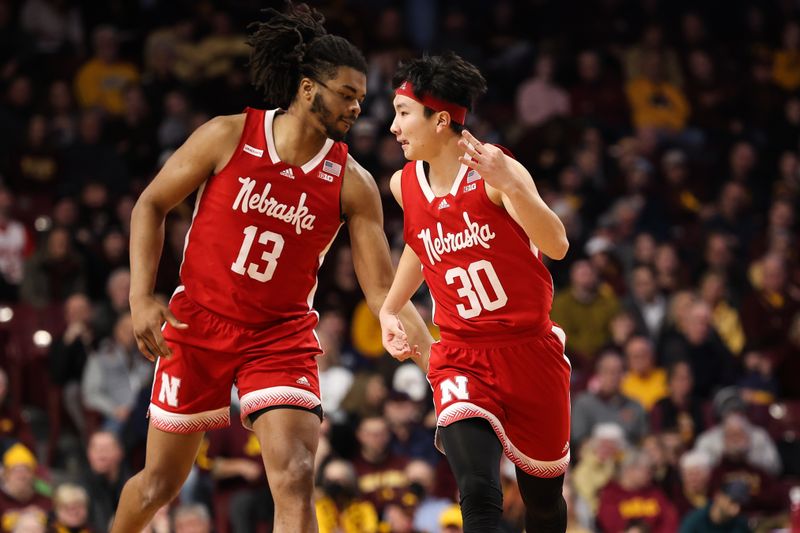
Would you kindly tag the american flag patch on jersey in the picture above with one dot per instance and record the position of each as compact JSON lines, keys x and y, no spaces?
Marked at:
{"x":473,"y":175}
{"x":332,"y":168}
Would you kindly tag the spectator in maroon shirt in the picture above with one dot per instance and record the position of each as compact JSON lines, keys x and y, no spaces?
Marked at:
{"x":381,"y":473}
{"x":634,"y":498}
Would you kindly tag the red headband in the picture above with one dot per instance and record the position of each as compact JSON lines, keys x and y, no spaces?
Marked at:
{"x":458,"y":114}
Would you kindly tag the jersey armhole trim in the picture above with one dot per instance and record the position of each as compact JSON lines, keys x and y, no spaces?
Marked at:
{"x":248,"y":115}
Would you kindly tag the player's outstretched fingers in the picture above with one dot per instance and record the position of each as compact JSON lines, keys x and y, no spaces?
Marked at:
{"x":475,"y":143}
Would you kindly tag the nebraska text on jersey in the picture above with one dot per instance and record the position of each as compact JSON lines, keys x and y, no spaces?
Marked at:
{"x":296,"y":215}
{"x":445,"y":243}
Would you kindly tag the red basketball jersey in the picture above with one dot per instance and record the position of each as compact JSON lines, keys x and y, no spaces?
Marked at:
{"x":261,"y":228}
{"x":485,"y":276}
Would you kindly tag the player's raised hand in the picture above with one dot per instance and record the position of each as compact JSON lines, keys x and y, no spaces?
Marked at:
{"x":394,"y":337}
{"x":148,"y":316}
{"x":487,"y":159}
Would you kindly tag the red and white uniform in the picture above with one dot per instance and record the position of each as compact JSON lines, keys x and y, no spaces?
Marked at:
{"x":501,"y":358}
{"x":260,"y":231}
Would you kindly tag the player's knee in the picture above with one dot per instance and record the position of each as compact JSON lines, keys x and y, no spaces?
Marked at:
{"x":296,"y":479}
{"x":158,"y":488}
{"x":480,"y":492}
{"x":545,"y":517}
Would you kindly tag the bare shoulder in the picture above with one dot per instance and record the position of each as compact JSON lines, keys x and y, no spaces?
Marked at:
{"x":222,"y":127}
{"x":218,"y":138}
{"x":358,"y":187}
{"x":396,"y":184}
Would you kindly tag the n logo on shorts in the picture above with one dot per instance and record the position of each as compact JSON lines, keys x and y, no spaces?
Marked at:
{"x":169,"y":390}
{"x":457,"y":389}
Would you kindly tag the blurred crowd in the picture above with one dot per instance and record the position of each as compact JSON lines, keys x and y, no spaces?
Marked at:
{"x":666,"y":136}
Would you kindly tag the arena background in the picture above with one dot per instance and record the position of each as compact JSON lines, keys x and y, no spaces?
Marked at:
{"x":665,"y":134}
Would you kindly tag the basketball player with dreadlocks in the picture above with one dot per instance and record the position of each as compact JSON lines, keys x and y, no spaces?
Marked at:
{"x":475,"y":227}
{"x":274,"y":187}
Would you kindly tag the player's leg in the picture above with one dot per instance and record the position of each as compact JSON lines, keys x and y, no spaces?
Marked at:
{"x":289,"y":438}
{"x":190,"y":395}
{"x":473,"y":451}
{"x":537,"y":406}
{"x":168,"y":460}
{"x":545,"y":507}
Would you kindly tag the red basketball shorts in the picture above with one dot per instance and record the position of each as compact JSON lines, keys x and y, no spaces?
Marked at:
{"x":269,"y":366}
{"x":521,"y":388}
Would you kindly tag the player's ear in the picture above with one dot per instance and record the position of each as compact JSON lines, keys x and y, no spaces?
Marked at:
{"x":307,"y":88}
{"x":442,"y":120}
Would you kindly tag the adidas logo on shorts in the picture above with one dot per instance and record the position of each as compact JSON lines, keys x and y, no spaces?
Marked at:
{"x":303,"y":381}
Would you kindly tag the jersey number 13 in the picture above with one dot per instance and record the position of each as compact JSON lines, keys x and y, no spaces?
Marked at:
{"x":264,"y":270}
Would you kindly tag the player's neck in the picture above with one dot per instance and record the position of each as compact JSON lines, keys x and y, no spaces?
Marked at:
{"x":444,"y":166}
{"x":296,"y":139}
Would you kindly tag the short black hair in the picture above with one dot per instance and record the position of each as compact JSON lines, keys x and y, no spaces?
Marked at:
{"x":292,"y":45}
{"x":447,"y":76}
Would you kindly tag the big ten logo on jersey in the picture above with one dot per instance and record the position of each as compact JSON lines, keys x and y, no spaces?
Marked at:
{"x":472,"y":177}
{"x":454,"y":388}
{"x":169,"y":390}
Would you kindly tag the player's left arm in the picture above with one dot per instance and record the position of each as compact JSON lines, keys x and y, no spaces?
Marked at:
{"x":509,"y":184}
{"x":361,"y":204}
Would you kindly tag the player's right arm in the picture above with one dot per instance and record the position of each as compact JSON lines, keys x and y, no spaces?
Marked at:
{"x":204,"y":153}
{"x":406,"y":281}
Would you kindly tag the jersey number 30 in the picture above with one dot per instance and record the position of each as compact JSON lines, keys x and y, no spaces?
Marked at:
{"x":473,"y":290}
{"x":264,"y":271}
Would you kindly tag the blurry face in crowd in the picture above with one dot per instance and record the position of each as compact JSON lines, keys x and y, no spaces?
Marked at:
{"x":192,"y":523}
{"x":400,"y":412}
{"x":637,"y":475}
{"x":77,"y":309}
{"x":58,"y":244}
{"x":583,"y":276}
{"x":104,"y":453}
{"x":774,"y":274}
{"x":609,"y":374}
{"x":680,"y":382}
{"x":19,"y":481}
{"x":373,"y":435}
{"x":31,"y":521}
{"x":698,"y":323}
{"x":694,"y":478}
{"x":589,"y":66}
{"x":735,"y":436}
{"x":712,"y":289}
{"x":718,"y":251}
{"x":72,"y":513}
{"x":644,"y":285}
{"x":639,"y":353}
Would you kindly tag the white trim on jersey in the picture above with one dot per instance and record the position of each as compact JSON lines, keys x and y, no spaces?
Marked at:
{"x":269,"y":116}
{"x":462,"y":171}
{"x":534,"y":249}
{"x":464,"y":410}
{"x":422,"y":179}
{"x":192,"y":423}
{"x":189,"y":231}
{"x":312,"y":292}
